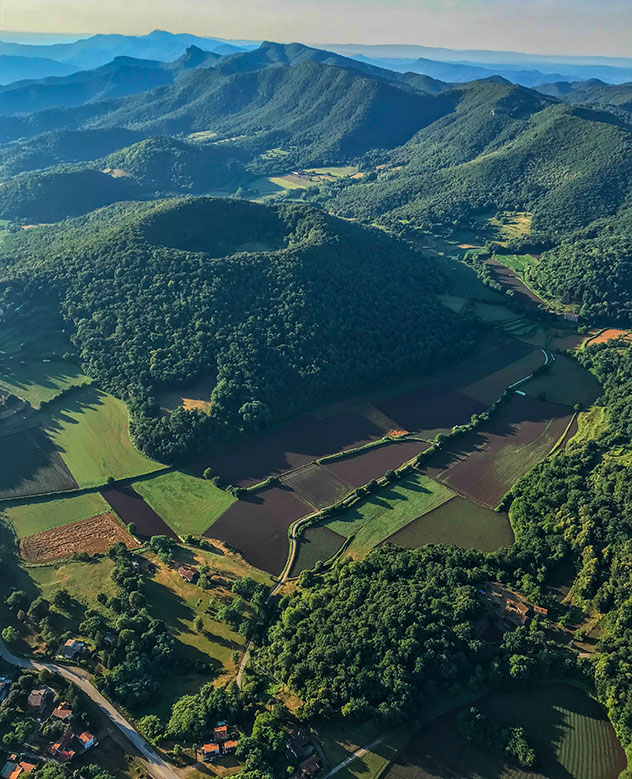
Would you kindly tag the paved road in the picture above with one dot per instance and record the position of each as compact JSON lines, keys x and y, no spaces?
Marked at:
{"x":156,"y":766}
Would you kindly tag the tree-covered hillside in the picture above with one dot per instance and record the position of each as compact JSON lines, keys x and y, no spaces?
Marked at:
{"x":284,"y":305}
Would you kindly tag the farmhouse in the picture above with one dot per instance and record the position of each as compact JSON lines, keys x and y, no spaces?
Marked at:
{"x":39,"y":699}
{"x":210,"y":752}
{"x":62,"y":712}
{"x":60,"y":749}
{"x":87,"y":740}
{"x":230,"y":746}
{"x":188,"y":573}
{"x":509,"y":607}
{"x":307,"y":768}
{"x":71,"y":649}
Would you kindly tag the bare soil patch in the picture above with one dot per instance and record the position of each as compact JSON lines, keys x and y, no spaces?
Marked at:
{"x":95,"y":534}
{"x":510,"y":279}
{"x":358,"y":469}
{"x":131,"y":507}
{"x":257,"y":526}
{"x":495,"y":352}
{"x":316,"y":485}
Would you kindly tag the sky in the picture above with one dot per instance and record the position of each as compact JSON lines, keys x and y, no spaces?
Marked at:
{"x":576,"y":27}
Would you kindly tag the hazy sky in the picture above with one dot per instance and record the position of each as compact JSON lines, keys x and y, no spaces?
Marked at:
{"x":539,"y":26}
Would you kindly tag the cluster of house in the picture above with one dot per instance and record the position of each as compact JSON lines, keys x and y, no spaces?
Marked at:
{"x":510,"y":608}
{"x":300,"y":751}
{"x":69,"y":743}
{"x":15,"y":767}
{"x":224,"y":743}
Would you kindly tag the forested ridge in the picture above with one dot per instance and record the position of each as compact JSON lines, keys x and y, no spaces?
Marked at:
{"x":285,"y":306}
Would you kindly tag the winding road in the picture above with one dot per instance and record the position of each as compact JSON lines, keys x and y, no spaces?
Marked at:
{"x":156,"y":766}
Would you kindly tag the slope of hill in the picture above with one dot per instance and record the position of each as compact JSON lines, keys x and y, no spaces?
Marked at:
{"x":15,"y":67}
{"x":285,"y":305}
{"x":119,"y":78}
{"x":591,"y":92}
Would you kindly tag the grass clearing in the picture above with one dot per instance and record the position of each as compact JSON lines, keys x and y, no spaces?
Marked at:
{"x":591,"y":425}
{"x":460,"y":522}
{"x":35,"y":517}
{"x":566,"y":382}
{"x":40,"y":382}
{"x":91,"y":431}
{"x":509,"y":225}
{"x":517,"y":262}
{"x":316,"y":543}
{"x":569,"y":731}
{"x":186,"y":503}
{"x":463,"y":280}
{"x":335,"y":171}
{"x":380,"y":515}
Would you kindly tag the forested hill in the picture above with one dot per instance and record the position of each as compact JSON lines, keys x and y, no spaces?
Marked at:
{"x":285,"y":305}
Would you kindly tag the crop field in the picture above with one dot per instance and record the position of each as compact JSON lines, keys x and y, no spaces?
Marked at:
{"x":298,"y":443}
{"x":39,"y":382}
{"x":609,"y":335}
{"x":511,"y":280}
{"x":495,"y":352}
{"x":316,"y":485}
{"x":31,"y":465}
{"x":569,"y":731}
{"x":48,"y":513}
{"x":431,"y":409}
{"x":257,"y":527}
{"x":95,"y":534}
{"x":460,"y":522}
{"x":379,"y":516}
{"x":359,"y":469}
{"x":566,"y":382}
{"x":316,"y":543}
{"x":490,"y":388}
{"x":91,"y":432}
{"x":484,"y":463}
{"x":186,"y":503}
{"x":130,"y":507}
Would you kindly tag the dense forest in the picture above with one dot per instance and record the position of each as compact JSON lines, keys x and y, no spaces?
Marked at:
{"x":284,"y":306}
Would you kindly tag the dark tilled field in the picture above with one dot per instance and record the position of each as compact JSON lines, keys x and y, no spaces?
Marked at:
{"x":257,"y":526}
{"x":358,"y":469}
{"x":316,"y":485}
{"x":495,"y":352}
{"x":30,"y":464}
{"x":570,"y":733}
{"x":484,"y":464}
{"x":317,"y":543}
{"x":431,"y":409}
{"x":510,"y":279}
{"x":131,"y":507}
{"x":304,"y":440}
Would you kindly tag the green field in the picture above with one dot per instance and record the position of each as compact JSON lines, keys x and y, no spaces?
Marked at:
{"x":517,"y":262}
{"x":82,"y":580}
{"x":463,"y":280}
{"x":565,"y":382}
{"x":569,"y":731}
{"x":382,"y":514}
{"x":336,"y":171}
{"x":91,"y":431}
{"x":510,"y":225}
{"x":316,"y":543}
{"x":186,"y":503}
{"x":460,"y":522}
{"x":31,"y":518}
{"x":40,"y":382}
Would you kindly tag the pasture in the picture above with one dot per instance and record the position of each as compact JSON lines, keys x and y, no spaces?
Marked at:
{"x":91,"y":432}
{"x":378,"y":516}
{"x":316,"y":543}
{"x":130,"y":507}
{"x":509,"y":225}
{"x":39,"y":382}
{"x":569,"y":731}
{"x":484,"y":463}
{"x":257,"y":526}
{"x":186,"y":503}
{"x":566,"y":382}
{"x":86,"y":536}
{"x":460,"y":522}
{"x":359,"y":469}
{"x":46,"y":514}
{"x":31,"y":465}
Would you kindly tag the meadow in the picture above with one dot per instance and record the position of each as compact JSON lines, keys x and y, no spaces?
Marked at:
{"x":91,"y":431}
{"x":45,"y":514}
{"x":188,"y":504}
{"x":40,"y":382}
{"x":569,"y":731}
{"x":379,"y":516}
{"x":565,"y":382}
{"x":316,"y":543}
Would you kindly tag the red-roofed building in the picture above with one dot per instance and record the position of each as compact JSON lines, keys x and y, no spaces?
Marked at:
{"x":87,"y":740}
{"x":220,"y":733}
{"x":188,"y":573}
{"x":62,"y":712}
{"x":210,"y":752}
{"x":60,"y":749}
